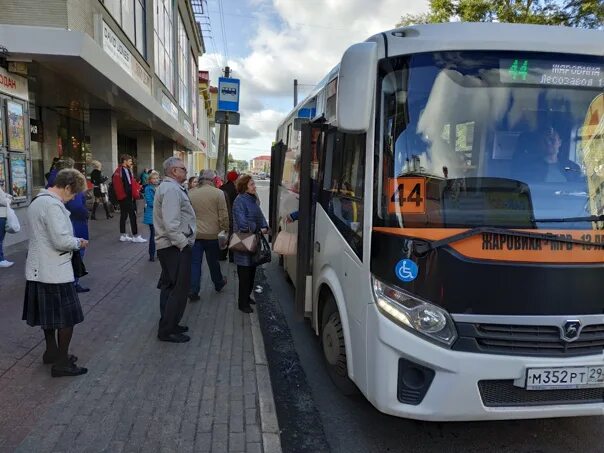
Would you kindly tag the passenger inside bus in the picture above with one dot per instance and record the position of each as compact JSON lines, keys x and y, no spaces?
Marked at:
{"x":543,"y":163}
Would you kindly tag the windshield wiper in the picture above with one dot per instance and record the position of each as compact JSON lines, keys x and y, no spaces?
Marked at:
{"x":433,"y":245}
{"x":592,"y":218}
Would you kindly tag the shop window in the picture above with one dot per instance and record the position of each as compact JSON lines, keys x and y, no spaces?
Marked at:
{"x":130,"y":15}
{"x":183,"y":66}
{"x":163,"y":33}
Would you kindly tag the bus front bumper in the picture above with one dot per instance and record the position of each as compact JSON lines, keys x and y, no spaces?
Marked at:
{"x":464,"y":386}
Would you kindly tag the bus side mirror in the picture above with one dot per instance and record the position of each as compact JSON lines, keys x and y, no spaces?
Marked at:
{"x":356,"y":87}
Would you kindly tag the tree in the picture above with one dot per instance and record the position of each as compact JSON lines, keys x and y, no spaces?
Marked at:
{"x":573,"y":13}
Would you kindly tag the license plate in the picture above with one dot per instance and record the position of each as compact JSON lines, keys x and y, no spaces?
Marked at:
{"x":564,"y":378}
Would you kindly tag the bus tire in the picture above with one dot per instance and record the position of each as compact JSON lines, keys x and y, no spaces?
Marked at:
{"x":334,"y":348}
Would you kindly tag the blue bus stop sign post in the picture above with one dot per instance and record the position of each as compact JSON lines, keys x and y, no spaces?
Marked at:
{"x":228,"y":94}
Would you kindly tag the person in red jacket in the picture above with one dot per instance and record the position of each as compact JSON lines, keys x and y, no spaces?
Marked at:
{"x":127,"y":191}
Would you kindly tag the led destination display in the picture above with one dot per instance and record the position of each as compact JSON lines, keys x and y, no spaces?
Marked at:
{"x":550,"y":72}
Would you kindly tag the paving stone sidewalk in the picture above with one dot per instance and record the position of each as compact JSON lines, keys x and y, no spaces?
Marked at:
{"x":212,"y":394}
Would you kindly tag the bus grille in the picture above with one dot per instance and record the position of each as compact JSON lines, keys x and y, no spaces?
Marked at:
{"x":503,"y":393}
{"x":543,"y":341}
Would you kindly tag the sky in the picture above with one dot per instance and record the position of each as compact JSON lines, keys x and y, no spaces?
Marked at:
{"x":269,"y":43}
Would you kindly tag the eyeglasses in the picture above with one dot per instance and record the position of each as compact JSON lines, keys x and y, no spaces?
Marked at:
{"x":181,"y":168}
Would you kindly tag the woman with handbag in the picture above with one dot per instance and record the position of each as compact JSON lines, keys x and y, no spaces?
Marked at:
{"x":247,"y":219}
{"x":51,"y":300}
{"x":99,"y":181}
{"x":5,"y":200}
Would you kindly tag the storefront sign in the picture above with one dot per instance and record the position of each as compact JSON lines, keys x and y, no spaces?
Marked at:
{"x":35,"y":130}
{"x":188,"y":127}
{"x":13,"y":85}
{"x":119,"y":52}
{"x":169,"y":106}
{"x":141,"y":76}
{"x":18,"y":176}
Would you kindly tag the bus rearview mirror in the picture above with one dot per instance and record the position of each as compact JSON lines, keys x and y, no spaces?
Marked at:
{"x":356,"y":86}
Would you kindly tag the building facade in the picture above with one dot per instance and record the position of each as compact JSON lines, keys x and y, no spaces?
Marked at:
{"x":261,"y":164}
{"x":94,"y":79}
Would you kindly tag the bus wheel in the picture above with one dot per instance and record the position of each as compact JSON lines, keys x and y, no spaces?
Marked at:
{"x":334,"y":349}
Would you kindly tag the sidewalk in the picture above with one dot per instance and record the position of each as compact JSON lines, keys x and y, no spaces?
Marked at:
{"x":212,"y":394}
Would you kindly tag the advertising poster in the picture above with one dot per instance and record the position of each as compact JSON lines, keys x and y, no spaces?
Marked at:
{"x":18,"y":176}
{"x":16,"y":126}
{"x":1,"y":127}
{"x":3,"y":172}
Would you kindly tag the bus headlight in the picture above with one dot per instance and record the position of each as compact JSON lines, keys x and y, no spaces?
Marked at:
{"x":413,"y":313}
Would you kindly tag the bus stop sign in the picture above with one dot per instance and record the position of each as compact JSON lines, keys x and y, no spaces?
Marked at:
{"x":228,"y":94}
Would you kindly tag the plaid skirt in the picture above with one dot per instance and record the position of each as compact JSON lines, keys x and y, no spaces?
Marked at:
{"x":51,"y":306}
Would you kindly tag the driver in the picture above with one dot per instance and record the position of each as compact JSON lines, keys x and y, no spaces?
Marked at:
{"x":546,"y":165}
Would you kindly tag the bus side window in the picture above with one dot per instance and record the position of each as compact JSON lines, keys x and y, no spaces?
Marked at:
{"x":343,"y":186}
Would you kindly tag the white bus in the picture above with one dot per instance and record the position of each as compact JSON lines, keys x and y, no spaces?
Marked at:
{"x":449,"y":186}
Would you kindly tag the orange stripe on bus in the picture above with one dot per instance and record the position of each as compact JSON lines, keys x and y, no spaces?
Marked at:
{"x":501,"y":247}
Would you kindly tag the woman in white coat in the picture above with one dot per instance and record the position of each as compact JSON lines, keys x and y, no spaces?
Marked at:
{"x":5,"y":200}
{"x":51,"y":300}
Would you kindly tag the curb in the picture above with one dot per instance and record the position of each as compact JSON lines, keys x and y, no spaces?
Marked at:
{"x":268,"y":414}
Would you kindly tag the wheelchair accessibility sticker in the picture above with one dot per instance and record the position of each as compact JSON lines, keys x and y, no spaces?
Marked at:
{"x":406,"y":270}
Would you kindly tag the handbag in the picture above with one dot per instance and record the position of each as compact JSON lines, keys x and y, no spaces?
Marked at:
{"x":244,"y":242}
{"x":12,"y":221}
{"x":286,"y":243}
{"x":79,"y":270}
{"x":263,"y":252}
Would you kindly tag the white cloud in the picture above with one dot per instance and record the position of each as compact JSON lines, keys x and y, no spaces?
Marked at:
{"x":297,"y":42}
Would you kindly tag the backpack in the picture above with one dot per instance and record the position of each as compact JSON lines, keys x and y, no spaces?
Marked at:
{"x":111,"y":194}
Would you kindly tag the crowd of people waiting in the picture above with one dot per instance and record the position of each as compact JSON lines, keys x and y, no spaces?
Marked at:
{"x":187,"y":218}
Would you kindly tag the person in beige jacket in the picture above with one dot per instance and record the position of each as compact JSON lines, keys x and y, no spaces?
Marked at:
{"x":51,"y":300}
{"x":212,"y":217}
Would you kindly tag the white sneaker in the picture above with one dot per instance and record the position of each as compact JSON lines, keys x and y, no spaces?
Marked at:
{"x":138,"y":238}
{"x":125,"y":238}
{"x":5,"y":263}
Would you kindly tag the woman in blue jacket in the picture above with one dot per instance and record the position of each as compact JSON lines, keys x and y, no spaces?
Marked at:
{"x":247,"y":218}
{"x":150,"y":188}
{"x":79,"y":220}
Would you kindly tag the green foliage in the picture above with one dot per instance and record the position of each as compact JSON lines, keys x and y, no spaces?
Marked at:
{"x":574,"y":13}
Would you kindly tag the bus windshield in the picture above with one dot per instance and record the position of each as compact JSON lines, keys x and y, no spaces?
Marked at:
{"x":503,"y":139}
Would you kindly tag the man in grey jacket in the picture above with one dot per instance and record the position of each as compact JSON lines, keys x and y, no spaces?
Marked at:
{"x":174,"y":221}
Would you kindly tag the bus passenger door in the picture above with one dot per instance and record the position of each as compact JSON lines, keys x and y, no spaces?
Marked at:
{"x":277,"y":156}
{"x":310,"y":157}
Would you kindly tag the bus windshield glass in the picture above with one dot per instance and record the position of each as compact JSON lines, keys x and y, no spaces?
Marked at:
{"x":502,"y":139}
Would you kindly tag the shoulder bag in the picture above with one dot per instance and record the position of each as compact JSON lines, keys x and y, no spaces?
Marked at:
{"x":263,"y":252}
{"x":244,"y":242}
{"x":12,"y":221}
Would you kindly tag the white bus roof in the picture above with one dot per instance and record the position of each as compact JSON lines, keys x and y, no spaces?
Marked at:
{"x":476,"y":36}
{"x":490,"y":36}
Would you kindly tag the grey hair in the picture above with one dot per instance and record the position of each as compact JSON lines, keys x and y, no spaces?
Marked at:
{"x":62,"y":164}
{"x":171,"y":162}
{"x":207,"y":176}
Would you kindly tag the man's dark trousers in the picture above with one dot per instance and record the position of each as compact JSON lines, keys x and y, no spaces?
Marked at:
{"x":174,"y":283}
{"x":128,"y":209}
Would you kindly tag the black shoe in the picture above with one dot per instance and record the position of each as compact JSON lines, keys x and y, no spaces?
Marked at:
{"x":246,"y":309}
{"x":194,"y":297}
{"x":175,"y":338}
{"x":219,"y":288}
{"x":151,"y":258}
{"x":92,"y":217}
{"x":67,"y":370}
{"x":81,"y":289}
{"x":52,"y":358}
{"x":181,"y":329}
